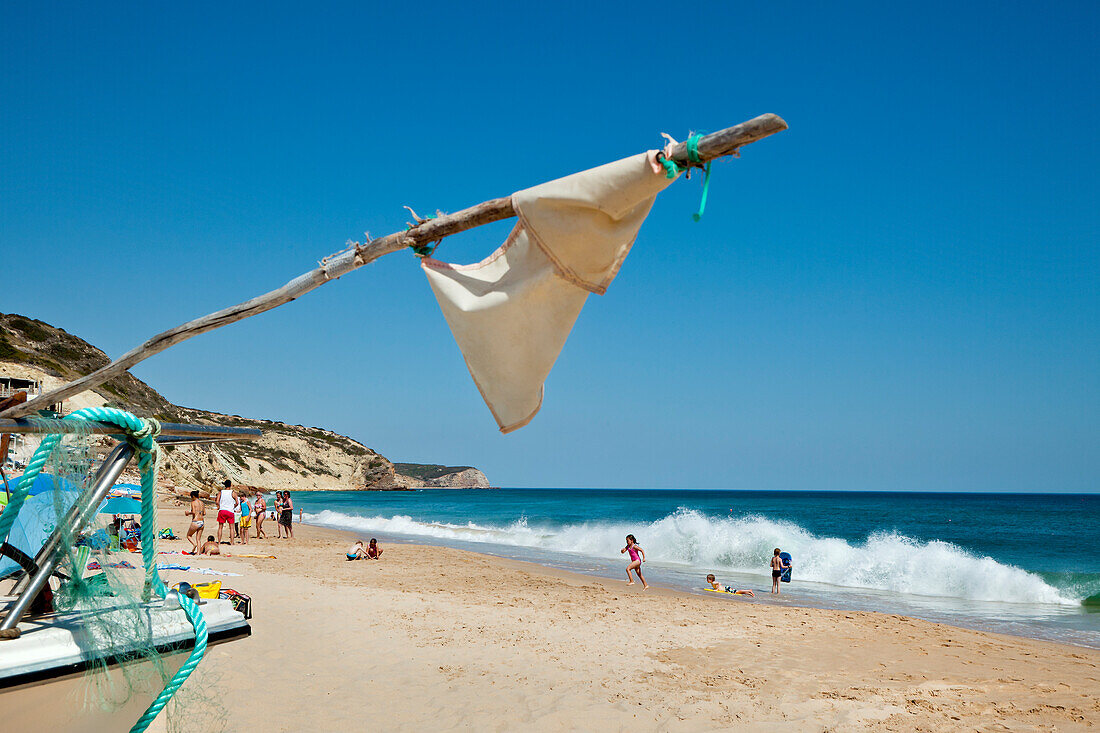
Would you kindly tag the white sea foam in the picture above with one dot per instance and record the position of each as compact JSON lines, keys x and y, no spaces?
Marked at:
{"x":884,"y":562}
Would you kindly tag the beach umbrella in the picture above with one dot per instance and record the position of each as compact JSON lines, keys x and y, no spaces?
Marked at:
{"x":43,"y":483}
{"x":121,"y":505}
{"x":35,"y":522}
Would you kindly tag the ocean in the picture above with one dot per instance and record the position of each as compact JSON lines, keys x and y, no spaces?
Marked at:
{"x":1024,"y":564}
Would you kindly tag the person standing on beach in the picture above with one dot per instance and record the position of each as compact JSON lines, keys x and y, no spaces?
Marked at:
{"x":197,"y":512}
{"x":287,"y":516}
{"x":637,"y":557}
{"x":278,"y":507}
{"x":227,"y":505}
{"x":246,"y":520}
{"x":259,"y":509}
{"x":778,"y":566}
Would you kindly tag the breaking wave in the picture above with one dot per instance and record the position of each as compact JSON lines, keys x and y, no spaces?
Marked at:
{"x":885,"y":561}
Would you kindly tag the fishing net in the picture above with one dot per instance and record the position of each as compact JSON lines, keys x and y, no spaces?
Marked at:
{"x":101,"y":580}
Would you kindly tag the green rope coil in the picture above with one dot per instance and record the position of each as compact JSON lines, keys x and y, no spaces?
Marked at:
{"x":142,"y":434}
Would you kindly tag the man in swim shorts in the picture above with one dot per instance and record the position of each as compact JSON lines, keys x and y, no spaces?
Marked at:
{"x":227,"y":503}
{"x":197,"y":512}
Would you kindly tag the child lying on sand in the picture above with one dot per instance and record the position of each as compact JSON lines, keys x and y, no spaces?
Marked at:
{"x":715,"y":586}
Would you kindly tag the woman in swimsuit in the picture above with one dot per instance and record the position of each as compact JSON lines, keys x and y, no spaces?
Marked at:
{"x":259,"y":508}
{"x":197,"y":512}
{"x":635,"y":551}
{"x":286,"y":518}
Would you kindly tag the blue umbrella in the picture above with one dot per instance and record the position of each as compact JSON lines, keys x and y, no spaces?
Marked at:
{"x":44,"y":482}
{"x":35,"y":522}
{"x":121,"y":505}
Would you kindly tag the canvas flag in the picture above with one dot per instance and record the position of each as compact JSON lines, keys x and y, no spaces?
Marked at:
{"x":512,"y":312}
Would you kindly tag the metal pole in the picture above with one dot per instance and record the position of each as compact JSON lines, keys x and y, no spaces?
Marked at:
{"x":76,"y":518}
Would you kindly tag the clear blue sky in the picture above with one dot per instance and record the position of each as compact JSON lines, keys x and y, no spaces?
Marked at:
{"x":901,"y":292}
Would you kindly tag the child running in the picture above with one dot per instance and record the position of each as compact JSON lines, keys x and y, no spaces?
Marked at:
{"x":637,"y":557}
{"x":737,"y":592}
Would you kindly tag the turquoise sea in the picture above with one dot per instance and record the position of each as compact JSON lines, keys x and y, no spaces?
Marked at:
{"x":1026,"y":564}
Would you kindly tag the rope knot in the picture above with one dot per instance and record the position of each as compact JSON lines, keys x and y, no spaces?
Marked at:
{"x":150,"y":429}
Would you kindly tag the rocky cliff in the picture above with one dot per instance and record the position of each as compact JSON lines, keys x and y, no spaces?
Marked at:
{"x":432,"y":476}
{"x":286,"y":457}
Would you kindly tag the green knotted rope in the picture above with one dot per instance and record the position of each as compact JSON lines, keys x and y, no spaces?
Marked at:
{"x":422,"y":250}
{"x":142,"y":433}
{"x":673,"y":169}
{"x":693,"y":156}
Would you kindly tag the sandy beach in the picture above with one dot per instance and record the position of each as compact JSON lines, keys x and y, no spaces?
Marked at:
{"x":433,"y":638}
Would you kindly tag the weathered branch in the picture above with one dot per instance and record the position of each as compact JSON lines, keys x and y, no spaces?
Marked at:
{"x":715,"y":145}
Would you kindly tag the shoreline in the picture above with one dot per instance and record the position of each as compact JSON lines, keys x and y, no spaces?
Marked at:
{"x":474,"y":640}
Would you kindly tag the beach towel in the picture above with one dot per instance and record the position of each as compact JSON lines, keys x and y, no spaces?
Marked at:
{"x":512,"y":312}
{"x":200,"y":571}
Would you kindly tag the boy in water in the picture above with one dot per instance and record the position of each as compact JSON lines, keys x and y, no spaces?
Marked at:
{"x":197,"y":512}
{"x":737,"y":592}
{"x":778,"y":566}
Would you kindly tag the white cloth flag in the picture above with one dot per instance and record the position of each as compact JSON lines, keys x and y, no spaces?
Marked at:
{"x":512,"y":312}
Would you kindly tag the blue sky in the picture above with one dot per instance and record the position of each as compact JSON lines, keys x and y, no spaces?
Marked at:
{"x":900,"y":292}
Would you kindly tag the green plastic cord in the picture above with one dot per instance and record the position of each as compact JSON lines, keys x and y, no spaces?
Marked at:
{"x":143,"y":434}
{"x":693,"y":156}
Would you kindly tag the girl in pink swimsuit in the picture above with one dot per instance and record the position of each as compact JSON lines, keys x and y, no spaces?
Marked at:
{"x":637,"y":557}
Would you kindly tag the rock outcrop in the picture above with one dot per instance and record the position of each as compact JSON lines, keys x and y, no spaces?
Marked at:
{"x":430,"y":476}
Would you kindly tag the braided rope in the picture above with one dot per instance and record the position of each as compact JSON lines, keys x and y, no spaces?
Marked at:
{"x":194,"y":615}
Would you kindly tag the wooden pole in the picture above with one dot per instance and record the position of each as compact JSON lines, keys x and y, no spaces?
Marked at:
{"x":715,"y":145}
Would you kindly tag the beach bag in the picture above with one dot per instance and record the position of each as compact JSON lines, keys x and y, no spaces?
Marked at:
{"x":208,"y":590}
{"x":241,"y":602}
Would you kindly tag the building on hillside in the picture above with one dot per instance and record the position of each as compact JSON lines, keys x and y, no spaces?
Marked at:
{"x":33,"y":387}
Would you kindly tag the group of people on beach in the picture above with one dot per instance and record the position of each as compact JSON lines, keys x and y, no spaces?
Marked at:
{"x":637,"y":556}
{"x":240,"y":514}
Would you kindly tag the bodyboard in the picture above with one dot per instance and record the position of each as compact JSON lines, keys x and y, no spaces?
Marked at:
{"x":727,"y":592}
{"x":786,"y":558}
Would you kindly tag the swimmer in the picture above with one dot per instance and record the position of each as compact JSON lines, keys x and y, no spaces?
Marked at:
{"x":714,"y":585}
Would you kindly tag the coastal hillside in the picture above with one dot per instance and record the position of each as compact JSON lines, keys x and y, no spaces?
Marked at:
{"x":287,"y":457}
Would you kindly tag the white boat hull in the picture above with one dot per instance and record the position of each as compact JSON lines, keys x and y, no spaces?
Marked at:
{"x":45,"y":684}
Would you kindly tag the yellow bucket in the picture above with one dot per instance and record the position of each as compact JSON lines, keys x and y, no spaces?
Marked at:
{"x":208,"y":590}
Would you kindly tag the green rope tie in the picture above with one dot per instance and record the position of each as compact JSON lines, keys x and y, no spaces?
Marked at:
{"x":143,"y":434}
{"x":422,"y":250}
{"x":672,"y":168}
{"x":693,"y":156}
